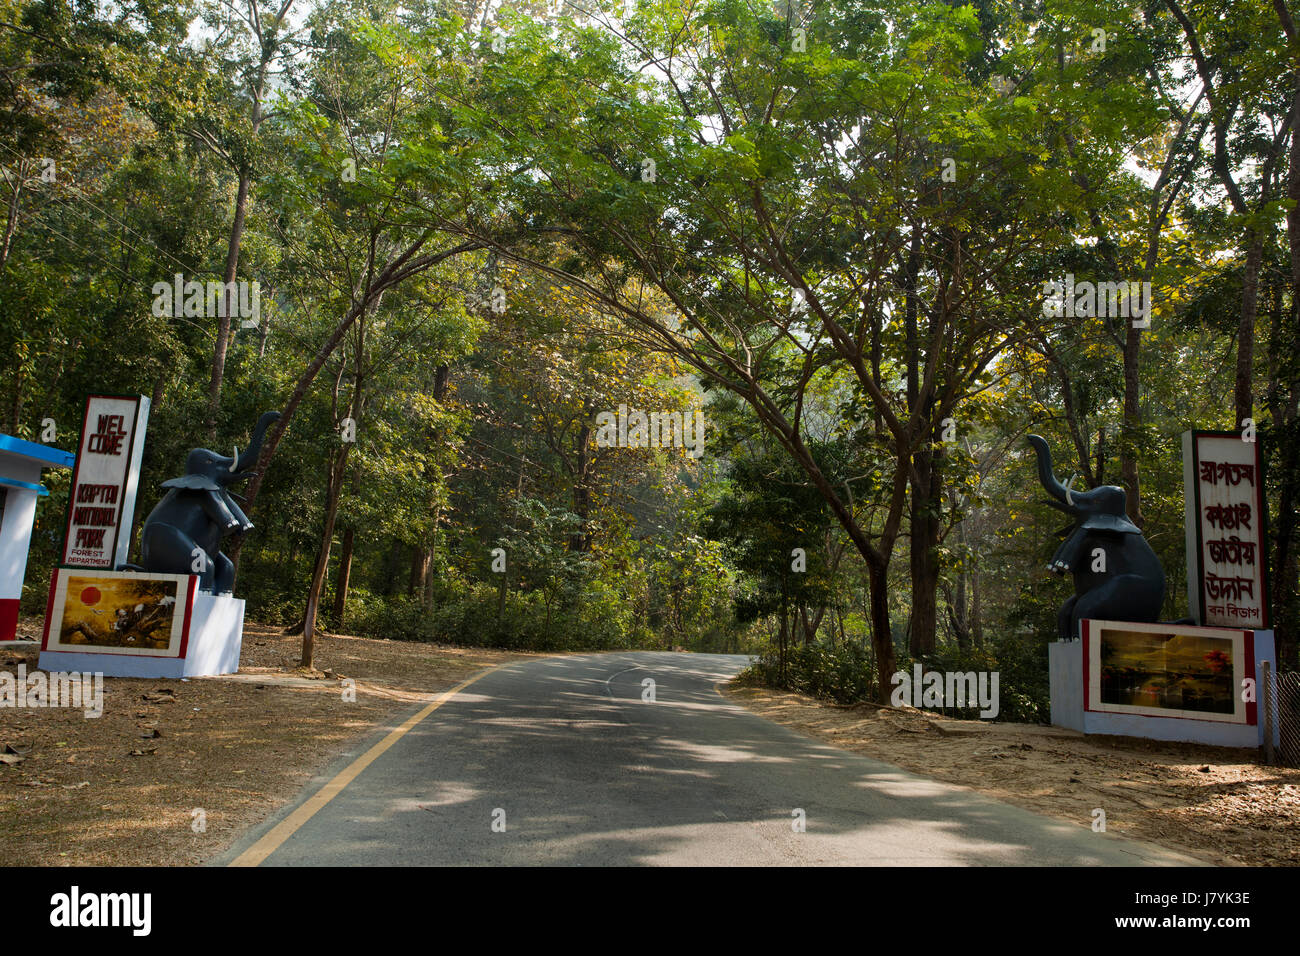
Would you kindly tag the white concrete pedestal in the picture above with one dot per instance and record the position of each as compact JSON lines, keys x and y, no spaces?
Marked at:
{"x":1067,"y":683}
{"x":212,"y":644}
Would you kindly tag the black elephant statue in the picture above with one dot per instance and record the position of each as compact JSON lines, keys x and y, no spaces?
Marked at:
{"x":1117,"y":577}
{"x":183,"y":533}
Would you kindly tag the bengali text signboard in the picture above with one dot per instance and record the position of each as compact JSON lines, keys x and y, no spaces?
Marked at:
{"x":1226,"y":523}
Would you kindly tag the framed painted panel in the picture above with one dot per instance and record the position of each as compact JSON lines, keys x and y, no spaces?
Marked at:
{"x":1168,"y":670}
{"x":119,"y":612}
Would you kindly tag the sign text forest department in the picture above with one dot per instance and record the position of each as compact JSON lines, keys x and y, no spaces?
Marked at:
{"x":101,"y":503}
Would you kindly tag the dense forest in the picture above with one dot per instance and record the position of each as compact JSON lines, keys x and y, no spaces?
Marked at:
{"x":717,"y":325}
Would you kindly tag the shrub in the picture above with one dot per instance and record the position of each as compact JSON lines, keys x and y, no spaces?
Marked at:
{"x":842,"y":673}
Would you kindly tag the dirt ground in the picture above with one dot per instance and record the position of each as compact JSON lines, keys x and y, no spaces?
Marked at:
{"x":124,"y":788}
{"x":1212,"y":802}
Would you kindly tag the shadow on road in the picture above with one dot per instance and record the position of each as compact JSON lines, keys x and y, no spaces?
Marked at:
{"x":582,"y":771}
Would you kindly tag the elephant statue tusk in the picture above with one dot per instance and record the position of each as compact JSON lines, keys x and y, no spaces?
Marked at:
{"x":234,"y":461}
{"x":1069,"y":498}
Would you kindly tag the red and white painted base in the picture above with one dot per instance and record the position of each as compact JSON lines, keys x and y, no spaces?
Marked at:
{"x":1079,"y":703}
{"x":206,"y":630}
{"x":16,"y":520}
{"x":8,"y":619}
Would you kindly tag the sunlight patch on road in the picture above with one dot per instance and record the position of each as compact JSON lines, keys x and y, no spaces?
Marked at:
{"x":904,"y":785}
{"x":719,"y":753}
{"x":560,"y":723}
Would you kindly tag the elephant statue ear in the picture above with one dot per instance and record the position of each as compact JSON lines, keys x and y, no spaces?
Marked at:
{"x":193,"y":482}
{"x":1118,"y":524}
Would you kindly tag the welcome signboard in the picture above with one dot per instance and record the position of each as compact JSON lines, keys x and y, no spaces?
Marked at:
{"x":1227,"y":580}
{"x":101,"y":504}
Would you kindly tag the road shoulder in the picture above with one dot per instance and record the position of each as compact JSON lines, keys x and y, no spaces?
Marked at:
{"x":1210,"y":802}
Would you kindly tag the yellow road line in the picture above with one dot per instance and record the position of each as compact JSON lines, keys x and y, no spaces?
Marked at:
{"x":286,"y":828}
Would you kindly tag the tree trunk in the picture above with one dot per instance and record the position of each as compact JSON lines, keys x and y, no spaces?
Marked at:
{"x":875,"y":557}
{"x":268,"y":36}
{"x":923,"y":619}
{"x":960,"y":618}
{"x":1242,"y":392}
{"x":11,"y":217}
{"x":419,"y":572}
{"x":925,"y":527}
{"x":338,"y":464}
{"x":877,"y":355}
{"x":333,"y":493}
{"x":345,"y":562}
{"x":581,"y":539}
{"x":1131,"y":429}
{"x":426,"y":594}
{"x":1286,"y":416}
{"x":222,"y":344}
{"x":785,"y":626}
{"x":345,"y":574}
{"x":882,"y":639}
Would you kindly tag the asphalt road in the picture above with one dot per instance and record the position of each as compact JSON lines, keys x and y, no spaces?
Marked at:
{"x":580,"y":770}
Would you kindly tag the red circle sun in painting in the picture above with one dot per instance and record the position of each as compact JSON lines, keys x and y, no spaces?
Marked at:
{"x":90,"y":596}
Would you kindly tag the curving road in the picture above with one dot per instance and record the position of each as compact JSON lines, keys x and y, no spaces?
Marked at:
{"x":582,"y":771}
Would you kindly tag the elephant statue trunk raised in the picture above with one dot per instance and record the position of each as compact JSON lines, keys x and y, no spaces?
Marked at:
{"x":183,"y":533}
{"x":1117,"y":577}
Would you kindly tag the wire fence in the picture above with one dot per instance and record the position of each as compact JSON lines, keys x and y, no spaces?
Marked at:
{"x":1286,"y":717}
